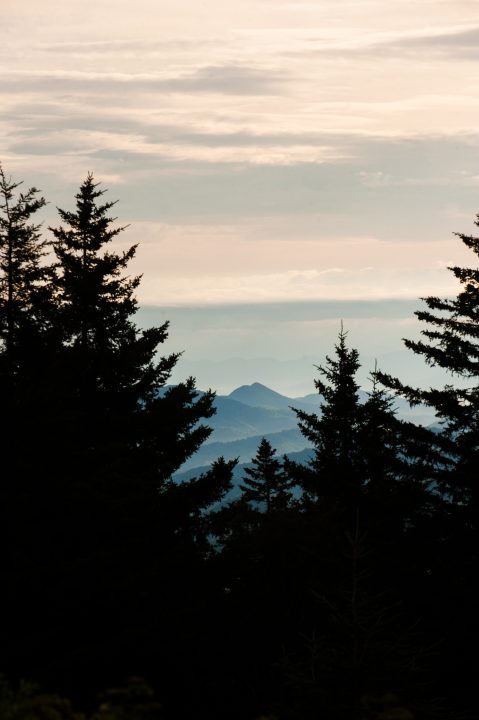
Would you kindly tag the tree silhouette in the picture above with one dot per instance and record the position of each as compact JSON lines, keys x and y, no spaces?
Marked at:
{"x":112,"y":374}
{"x":100,"y":542}
{"x":22,"y":274}
{"x":450,"y":341}
{"x":335,"y":471}
{"x":265,"y":484}
{"x":397,"y":482}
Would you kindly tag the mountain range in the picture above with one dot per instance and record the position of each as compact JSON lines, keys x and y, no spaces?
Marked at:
{"x":251,"y":412}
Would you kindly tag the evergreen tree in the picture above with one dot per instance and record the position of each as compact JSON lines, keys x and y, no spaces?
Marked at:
{"x":450,"y":340}
{"x":396,"y":481}
{"x":265,"y":484}
{"x":23,"y":275}
{"x":122,"y":427}
{"x":336,"y":470}
{"x":102,"y":546}
{"x":114,"y":385}
{"x":25,"y":312}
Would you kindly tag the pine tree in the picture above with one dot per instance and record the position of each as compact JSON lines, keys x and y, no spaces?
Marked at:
{"x":110,"y":368}
{"x":25,"y":323}
{"x":96,"y":303}
{"x":23,"y":275}
{"x":451,"y":341}
{"x":336,"y":469}
{"x":103,"y":546}
{"x":396,"y":482}
{"x":265,"y":484}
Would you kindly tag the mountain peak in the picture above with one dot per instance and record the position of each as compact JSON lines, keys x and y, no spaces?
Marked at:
{"x":259,"y":395}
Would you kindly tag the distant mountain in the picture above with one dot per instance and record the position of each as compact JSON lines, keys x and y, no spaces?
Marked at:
{"x":252,"y":412}
{"x":258,"y":395}
{"x":236,"y":420}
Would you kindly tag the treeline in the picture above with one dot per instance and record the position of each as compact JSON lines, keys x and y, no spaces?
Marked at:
{"x":339,"y":589}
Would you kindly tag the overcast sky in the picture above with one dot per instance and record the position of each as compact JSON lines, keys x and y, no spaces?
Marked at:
{"x":262,"y":150}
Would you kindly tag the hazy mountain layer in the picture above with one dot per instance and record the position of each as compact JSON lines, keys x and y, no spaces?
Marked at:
{"x":251,"y":412}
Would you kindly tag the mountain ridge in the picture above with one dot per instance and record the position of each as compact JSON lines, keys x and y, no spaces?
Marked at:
{"x":251,"y":412}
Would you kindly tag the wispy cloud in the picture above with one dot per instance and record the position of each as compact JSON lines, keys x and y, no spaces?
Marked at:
{"x":460,"y":43}
{"x":228,"y":80}
{"x":393,"y":41}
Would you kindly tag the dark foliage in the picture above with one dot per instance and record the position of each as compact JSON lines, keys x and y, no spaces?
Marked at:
{"x":450,"y":340}
{"x":101,"y":544}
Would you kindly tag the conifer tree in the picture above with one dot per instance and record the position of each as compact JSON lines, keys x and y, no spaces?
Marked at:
{"x":451,"y":341}
{"x":22,"y":273}
{"x":110,"y":368}
{"x":362,"y":452}
{"x":25,"y":322}
{"x":396,"y":482}
{"x":265,"y":484}
{"x":102,"y":545}
{"x":336,"y":469}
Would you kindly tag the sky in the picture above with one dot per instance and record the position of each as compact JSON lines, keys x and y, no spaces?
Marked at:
{"x":270,"y":157}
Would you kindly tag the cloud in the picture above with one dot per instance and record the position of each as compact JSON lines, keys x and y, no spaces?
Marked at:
{"x":459,"y":38}
{"x":248,"y":262}
{"x":458,"y":44}
{"x":89,"y":47}
{"x":442,"y":41}
{"x":222,"y":79}
{"x":230,"y":80}
{"x":295,"y":285}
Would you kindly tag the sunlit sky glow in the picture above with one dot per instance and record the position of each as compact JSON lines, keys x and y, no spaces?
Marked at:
{"x":263,"y":150}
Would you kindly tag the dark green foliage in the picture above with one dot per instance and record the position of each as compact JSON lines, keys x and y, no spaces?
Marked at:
{"x":24,"y":701}
{"x":134,"y":701}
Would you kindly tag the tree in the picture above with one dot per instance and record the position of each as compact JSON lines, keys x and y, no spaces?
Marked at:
{"x":397,"y":481}
{"x":22,"y":274}
{"x":110,"y":369}
{"x":127,"y":430}
{"x":335,"y":472}
{"x":450,"y":340}
{"x":265,"y":484}
{"x":25,"y":282}
{"x":103,"y":546}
